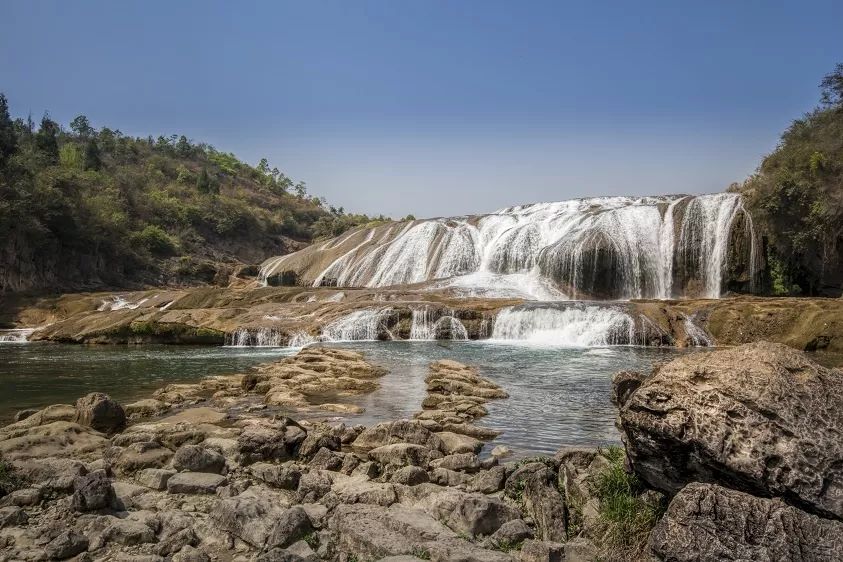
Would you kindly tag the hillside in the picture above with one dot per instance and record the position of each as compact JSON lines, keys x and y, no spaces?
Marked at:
{"x":796,"y":198}
{"x":86,"y":209}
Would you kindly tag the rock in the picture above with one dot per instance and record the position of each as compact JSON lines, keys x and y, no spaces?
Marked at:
{"x":288,"y":527}
{"x":455,"y":443}
{"x":284,"y":477}
{"x":313,"y":485}
{"x":196,"y":458}
{"x":303,"y":551}
{"x":449,"y":550}
{"x":402,"y":454}
{"x":474,"y":514}
{"x":316,"y":441}
{"x":67,"y":544}
{"x":546,"y":506}
{"x":368,"y":469}
{"x":445,"y":477}
{"x":22,"y":441}
{"x":23,"y":414}
{"x":155,"y":478}
{"x":98,"y":411}
{"x":761,"y":418}
{"x":501,"y":452}
{"x":125,"y":491}
{"x":52,"y":475}
{"x":12,"y":516}
{"x":349,"y":463}
{"x":410,"y":476}
{"x":516,"y":481}
{"x":142,"y":455}
{"x":389,"y":433}
{"x":709,"y":522}
{"x":542,"y":551}
{"x":461,"y":462}
{"x":483,"y":433}
{"x":25,"y":497}
{"x":190,"y":554}
{"x":93,"y":492}
{"x":358,"y":489}
{"x":175,"y":542}
{"x":195,"y":483}
{"x":488,"y":481}
{"x":509,"y":535}
{"x":126,"y":532}
{"x":146,"y":408}
{"x":270,"y":441}
{"x":326,"y":459}
{"x":248,"y":518}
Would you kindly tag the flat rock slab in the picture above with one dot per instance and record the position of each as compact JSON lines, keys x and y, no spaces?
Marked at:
{"x":195,"y":483}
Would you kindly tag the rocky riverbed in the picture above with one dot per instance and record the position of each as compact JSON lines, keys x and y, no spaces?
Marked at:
{"x":732,"y":454}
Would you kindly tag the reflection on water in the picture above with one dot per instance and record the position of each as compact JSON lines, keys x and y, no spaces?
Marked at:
{"x":558,"y":396}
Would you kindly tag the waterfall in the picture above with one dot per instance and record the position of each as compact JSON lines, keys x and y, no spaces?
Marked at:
{"x":575,"y":325}
{"x":17,"y":335}
{"x":120,"y":303}
{"x":423,"y":326}
{"x":367,"y":324}
{"x":697,"y":336}
{"x":255,"y":337}
{"x":604,"y":248}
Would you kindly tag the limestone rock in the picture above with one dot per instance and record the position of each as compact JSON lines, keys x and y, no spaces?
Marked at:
{"x":401,"y":431}
{"x":142,"y":455}
{"x":12,"y":516}
{"x":279,"y":476}
{"x":410,"y":476}
{"x":267,"y":441}
{"x":761,"y":417}
{"x":459,"y":462}
{"x":545,"y":505}
{"x":98,"y":411}
{"x":93,"y":492}
{"x":67,"y":544}
{"x":455,"y":443}
{"x":197,"y":458}
{"x":155,"y":478}
{"x":709,"y":522}
{"x":195,"y":483}
{"x":474,"y":514}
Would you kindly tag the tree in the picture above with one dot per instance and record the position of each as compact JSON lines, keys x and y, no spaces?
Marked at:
{"x":183,"y":147}
{"x":263,"y":166}
{"x":301,"y":189}
{"x":205,"y":183}
{"x":832,"y":87}
{"x":92,"y":159}
{"x":82,"y":127}
{"x":8,"y":137}
{"x":46,"y":140}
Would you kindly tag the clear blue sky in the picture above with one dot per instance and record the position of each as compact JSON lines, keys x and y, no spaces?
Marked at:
{"x":438,"y":108}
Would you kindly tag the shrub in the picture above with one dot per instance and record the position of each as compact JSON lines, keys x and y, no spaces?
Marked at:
{"x":155,"y":240}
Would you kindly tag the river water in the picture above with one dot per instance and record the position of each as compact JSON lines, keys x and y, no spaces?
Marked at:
{"x":558,"y":396}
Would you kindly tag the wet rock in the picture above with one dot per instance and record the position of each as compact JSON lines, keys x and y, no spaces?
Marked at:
{"x":145,"y":408}
{"x":12,"y":516}
{"x":709,"y":522}
{"x":501,"y":452}
{"x":93,"y":492}
{"x":155,"y":478}
{"x":483,"y":433}
{"x":410,"y":476}
{"x":196,"y":458}
{"x":453,"y":443}
{"x":66,"y":545}
{"x":195,"y":483}
{"x":761,"y":418}
{"x":284,"y":477}
{"x":98,"y":411}
{"x":545,"y":505}
{"x":23,"y":414}
{"x":401,"y":431}
{"x":402,"y":454}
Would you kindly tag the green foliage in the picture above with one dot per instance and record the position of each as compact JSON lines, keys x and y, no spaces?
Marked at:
{"x":796,"y":197}
{"x":626,"y":516}
{"x":86,"y":208}
{"x":420,"y":552}
{"x":312,"y":540}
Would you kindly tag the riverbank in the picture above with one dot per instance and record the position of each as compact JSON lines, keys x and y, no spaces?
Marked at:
{"x":280,"y":316}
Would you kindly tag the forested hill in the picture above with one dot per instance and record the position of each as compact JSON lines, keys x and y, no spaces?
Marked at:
{"x":796,"y":198}
{"x":82,"y":208}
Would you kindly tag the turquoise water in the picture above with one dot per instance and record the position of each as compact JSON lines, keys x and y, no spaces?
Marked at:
{"x":558,"y":396}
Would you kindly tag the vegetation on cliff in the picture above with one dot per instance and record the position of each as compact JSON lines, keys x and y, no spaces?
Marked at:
{"x":796,"y":197}
{"x":86,"y":208}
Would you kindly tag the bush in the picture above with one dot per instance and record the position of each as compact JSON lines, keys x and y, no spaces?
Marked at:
{"x":155,"y":240}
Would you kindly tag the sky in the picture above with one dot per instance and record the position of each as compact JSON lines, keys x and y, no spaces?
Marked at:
{"x":438,"y":107}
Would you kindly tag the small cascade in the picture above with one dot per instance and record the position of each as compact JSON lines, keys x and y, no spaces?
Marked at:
{"x":575,"y":325}
{"x":255,"y":337}
{"x":423,"y":327}
{"x":696,"y":335}
{"x":360,"y":325}
{"x":17,"y":335}
{"x":120,"y":303}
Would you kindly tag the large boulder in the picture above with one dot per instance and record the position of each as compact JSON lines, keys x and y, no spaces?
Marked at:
{"x":267,"y":441}
{"x":401,"y":431}
{"x":93,"y":492}
{"x":98,"y":411}
{"x":762,"y":418}
{"x":709,"y":522}
{"x":196,"y":458}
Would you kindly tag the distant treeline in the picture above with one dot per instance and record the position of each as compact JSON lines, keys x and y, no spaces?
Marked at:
{"x":82,"y":208}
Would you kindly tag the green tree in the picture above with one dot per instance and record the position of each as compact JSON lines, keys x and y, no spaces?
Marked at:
{"x":92,"y":155}
{"x":301,"y":189}
{"x":263,"y":166}
{"x":46,"y":140}
{"x":183,"y":147}
{"x":8,"y":136}
{"x":82,"y":127}
{"x":832,"y":87}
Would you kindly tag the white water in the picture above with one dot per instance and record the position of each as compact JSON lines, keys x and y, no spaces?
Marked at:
{"x":425,"y":327}
{"x":256,"y":337}
{"x":581,"y":325}
{"x":19,"y":335}
{"x":697,"y":336}
{"x":120,"y":303}
{"x":610,"y":247}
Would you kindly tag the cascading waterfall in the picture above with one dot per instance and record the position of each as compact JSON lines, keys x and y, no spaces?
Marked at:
{"x":17,"y":335}
{"x":256,"y":337}
{"x":424,"y":327}
{"x":609,"y":247}
{"x":697,"y":336}
{"x":367,"y":324}
{"x":120,"y":303}
{"x":576,"y":325}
